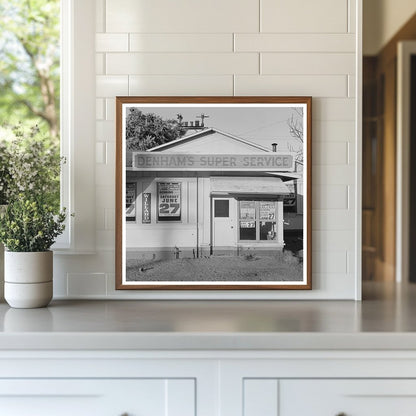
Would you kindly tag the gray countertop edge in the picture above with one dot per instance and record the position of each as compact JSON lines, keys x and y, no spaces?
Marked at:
{"x":157,"y":341}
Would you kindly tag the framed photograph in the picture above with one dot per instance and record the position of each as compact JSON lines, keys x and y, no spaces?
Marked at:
{"x":213,"y":193}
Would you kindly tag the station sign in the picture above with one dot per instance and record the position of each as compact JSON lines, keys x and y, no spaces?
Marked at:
{"x":261,"y":162}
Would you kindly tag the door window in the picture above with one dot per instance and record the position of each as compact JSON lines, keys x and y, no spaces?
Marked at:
{"x":221,"y":208}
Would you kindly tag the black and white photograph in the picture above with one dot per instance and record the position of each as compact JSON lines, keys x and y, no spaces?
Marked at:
{"x":213,"y":193}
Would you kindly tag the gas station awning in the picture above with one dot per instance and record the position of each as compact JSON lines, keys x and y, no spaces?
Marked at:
{"x":248,"y":185}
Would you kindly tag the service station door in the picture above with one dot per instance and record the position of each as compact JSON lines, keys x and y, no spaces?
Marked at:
{"x":224,"y":212}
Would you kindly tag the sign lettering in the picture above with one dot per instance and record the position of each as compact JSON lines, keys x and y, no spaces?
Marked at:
{"x":175,"y":161}
{"x":146,"y":208}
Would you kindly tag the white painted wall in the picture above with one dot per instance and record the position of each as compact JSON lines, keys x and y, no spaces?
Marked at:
{"x":233,"y":47}
{"x":381,"y":20}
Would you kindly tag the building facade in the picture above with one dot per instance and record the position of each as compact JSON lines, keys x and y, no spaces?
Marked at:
{"x":208,"y":193}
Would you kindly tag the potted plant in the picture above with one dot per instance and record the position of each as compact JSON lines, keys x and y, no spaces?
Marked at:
{"x":28,"y":229}
{"x":32,"y":220}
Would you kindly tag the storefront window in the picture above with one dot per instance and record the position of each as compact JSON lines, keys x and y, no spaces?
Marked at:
{"x":257,"y":220}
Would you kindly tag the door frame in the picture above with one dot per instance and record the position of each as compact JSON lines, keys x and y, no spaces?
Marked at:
{"x":404,"y":51}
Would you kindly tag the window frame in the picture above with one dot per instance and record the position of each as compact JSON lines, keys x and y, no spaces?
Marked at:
{"x":77,"y":103}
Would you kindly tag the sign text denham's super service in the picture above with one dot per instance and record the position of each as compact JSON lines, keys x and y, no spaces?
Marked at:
{"x":179,"y":161}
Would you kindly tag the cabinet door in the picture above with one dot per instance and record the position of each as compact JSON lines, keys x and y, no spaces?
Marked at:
{"x":347,"y":397}
{"x":81,"y":397}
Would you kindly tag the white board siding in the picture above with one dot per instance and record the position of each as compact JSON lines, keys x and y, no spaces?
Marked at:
{"x":299,"y":16}
{"x":237,"y":47}
{"x":294,"y":42}
{"x":181,"y":42}
{"x":314,"y":85}
{"x":182,"y":16}
{"x":181,"y":85}
{"x":181,"y":63}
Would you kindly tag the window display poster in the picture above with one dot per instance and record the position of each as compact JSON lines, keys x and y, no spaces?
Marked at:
{"x":267,"y":210}
{"x":169,"y":201}
{"x":130,"y":201}
{"x":247,"y":210}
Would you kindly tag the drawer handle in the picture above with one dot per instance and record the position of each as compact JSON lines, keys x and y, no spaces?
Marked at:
{"x":341,"y":414}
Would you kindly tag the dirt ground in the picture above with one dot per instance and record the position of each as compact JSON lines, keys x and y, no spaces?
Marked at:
{"x":282,"y":267}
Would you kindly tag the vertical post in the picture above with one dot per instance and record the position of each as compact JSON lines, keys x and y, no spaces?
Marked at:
{"x":279,"y":222}
{"x":197,"y":216}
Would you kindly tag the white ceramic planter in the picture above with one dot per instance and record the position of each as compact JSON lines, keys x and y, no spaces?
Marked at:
{"x":1,"y":271}
{"x":2,"y":211}
{"x":28,"y":279}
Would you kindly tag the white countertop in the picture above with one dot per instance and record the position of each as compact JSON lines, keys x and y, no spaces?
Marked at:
{"x":384,"y":320}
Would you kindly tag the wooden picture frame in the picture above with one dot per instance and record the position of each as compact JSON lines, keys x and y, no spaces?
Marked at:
{"x":213,"y":193}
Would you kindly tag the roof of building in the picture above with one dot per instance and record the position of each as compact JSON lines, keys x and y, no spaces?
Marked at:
{"x":204,"y":133}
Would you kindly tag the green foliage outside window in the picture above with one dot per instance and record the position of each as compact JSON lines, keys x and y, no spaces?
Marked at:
{"x":29,"y":85}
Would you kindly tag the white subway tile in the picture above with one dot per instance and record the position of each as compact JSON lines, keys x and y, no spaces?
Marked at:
{"x":352,"y":21}
{"x":100,"y":153}
{"x":333,"y":130}
{"x":329,"y":262}
{"x":99,"y":219}
{"x":314,"y":85}
{"x":294,"y":42}
{"x":333,"y":240}
{"x":330,"y":196}
{"x":112,"y":42}
{"x":351,"y":86}
{"x":99,"y":109}
{"x":351,"y":153}
{"x":110,"y":109}
{"x":182,"y":63}
{"x":333,"y":175}
{"x":337,"y":286}
{"x":307,"y":63}
{"x":60,"y":282}
{"x":111,"y":284}
{"x":105,"y":239}
{"x":181,"y":85}
{"x":104,"y":196}
{"x":100,"y":262}
{"x":86,"y":284}
{"x":111,"y":86}
{"x":181,"y":42}
{"x":336,"y":219}
{"x":179,"y":16}
{"x":105,"y":131}
{"x":330,"y":153}
{"x":105,"y":175}
{"x":351,"y":261}
{"x":111,"y":153}
{"x":99,"y":63}
{"x":100,"y":15}
{"x":340,"y":109}
{"x":109,"y":218}
{"x":300,"y":16}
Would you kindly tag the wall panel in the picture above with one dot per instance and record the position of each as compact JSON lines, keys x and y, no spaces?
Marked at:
{"x":237,"y":47}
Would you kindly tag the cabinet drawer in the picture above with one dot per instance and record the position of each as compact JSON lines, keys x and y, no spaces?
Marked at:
{"x":347,"y":397}
{"x":86,"y":397}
